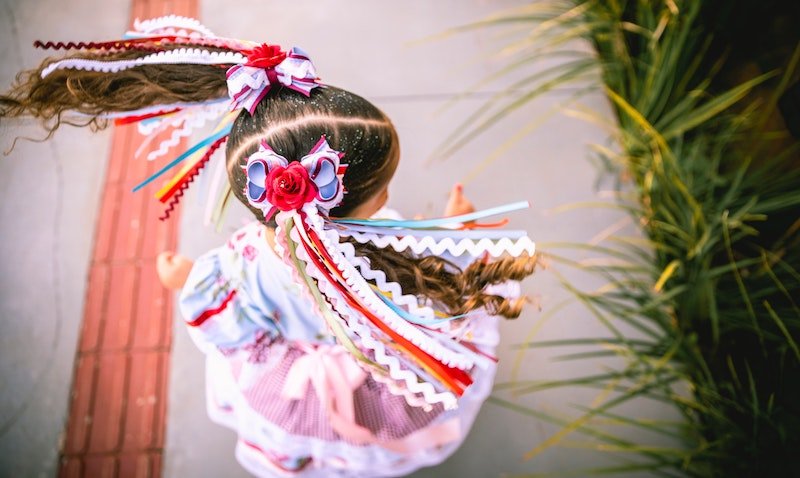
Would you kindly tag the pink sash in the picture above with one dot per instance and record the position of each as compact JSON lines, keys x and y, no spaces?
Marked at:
{"x":335,"y":375}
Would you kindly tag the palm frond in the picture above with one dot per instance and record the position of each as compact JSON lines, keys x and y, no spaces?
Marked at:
{"x":701,"y":310}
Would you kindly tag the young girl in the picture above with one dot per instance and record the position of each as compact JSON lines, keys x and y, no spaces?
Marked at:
{"x":357,"y":346}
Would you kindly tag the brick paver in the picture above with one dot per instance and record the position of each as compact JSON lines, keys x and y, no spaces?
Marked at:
{"x":118,"y":400}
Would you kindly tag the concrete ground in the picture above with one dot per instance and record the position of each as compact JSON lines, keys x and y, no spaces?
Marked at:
{"x":48,"y":205}
{"x":360,"y":45}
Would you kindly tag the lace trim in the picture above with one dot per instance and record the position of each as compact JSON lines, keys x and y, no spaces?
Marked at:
{"x":169,"y":23}
{"x":447,"y":245}
{"x":181,"y":55}
{"x":343,"y":260}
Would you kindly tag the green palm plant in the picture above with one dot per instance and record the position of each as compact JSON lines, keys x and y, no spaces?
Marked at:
{"x":702,"y":312}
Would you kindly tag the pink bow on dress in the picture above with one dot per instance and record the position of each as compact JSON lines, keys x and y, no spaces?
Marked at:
{"x":335,"y":376}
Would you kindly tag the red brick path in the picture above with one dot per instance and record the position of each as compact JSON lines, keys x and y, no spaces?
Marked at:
{"x":119,"y":391}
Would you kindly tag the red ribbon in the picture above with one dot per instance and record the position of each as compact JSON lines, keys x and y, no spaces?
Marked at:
{"x":454,"y":378}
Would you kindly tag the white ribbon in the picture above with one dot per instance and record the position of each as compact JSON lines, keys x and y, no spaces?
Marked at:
{"x":247,"y":85}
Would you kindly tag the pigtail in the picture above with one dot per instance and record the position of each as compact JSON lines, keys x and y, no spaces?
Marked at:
{"x":457,"y":291}
{"x":164,"y":65}
{"x":170,"y":71}
{"x":89,"y":97}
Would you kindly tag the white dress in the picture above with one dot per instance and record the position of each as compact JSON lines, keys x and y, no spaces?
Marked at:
{"x":276,"y":376}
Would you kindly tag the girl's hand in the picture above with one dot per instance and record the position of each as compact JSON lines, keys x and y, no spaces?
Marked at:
{"x":173,"y":269}
{"x":458,"y":203}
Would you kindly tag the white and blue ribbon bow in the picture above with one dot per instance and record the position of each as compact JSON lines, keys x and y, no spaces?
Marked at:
{"x":247,"y":85}
{"x":322,"y":164}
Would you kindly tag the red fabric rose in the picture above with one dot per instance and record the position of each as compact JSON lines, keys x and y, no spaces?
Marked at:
{"x":290,"y":187}
{"x":265,"y":56}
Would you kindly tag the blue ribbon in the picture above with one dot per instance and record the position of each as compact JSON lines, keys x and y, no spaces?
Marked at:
{"x":426,"y":223}
{"x":206,"y":142}
{"x":414,"y":319}
{"x":455,"y":234}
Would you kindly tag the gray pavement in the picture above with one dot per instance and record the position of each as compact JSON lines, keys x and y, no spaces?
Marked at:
{"x":48,"y":205}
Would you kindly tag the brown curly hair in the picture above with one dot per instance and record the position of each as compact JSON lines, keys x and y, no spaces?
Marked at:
{"x":292,"y":123}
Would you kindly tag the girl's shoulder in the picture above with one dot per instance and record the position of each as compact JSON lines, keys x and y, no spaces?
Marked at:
{"x":247,"y":255}
{"x":249,"y":241}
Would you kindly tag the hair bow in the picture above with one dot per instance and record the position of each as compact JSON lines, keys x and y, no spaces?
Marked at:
{"x":273,"y":183}
{"x":268,"y":65}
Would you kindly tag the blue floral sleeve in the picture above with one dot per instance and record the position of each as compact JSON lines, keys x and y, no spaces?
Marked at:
{"x":217,"y":305}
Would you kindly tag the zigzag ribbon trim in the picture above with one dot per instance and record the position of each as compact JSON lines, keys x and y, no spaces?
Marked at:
{"x":181,"y":55}
{"x":132,"y":44}
{"x":150,"y":126}
{"x":147,"y":43}
{"x":177,"y":192}
{"x":186,"y":154}
{"x":381,"y":375}
{"x":410,"y":332}
{"x":188,"y":122}
{"x":447,"y":245}
{"x":152,"y":25}
{"x":411,"y":303}
{"x":393,"y":365}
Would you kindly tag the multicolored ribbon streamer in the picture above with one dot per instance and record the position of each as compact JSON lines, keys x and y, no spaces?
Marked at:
{"x":202,"y":144}
{"x":438,"y":222}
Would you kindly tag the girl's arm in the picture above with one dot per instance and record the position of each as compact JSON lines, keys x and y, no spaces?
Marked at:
{"x":457,"y":203}
{"x":173,"y":269}
{"x":221,"y":300}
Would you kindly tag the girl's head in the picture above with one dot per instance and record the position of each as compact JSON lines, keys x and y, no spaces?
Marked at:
{"x":292,"y":123}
